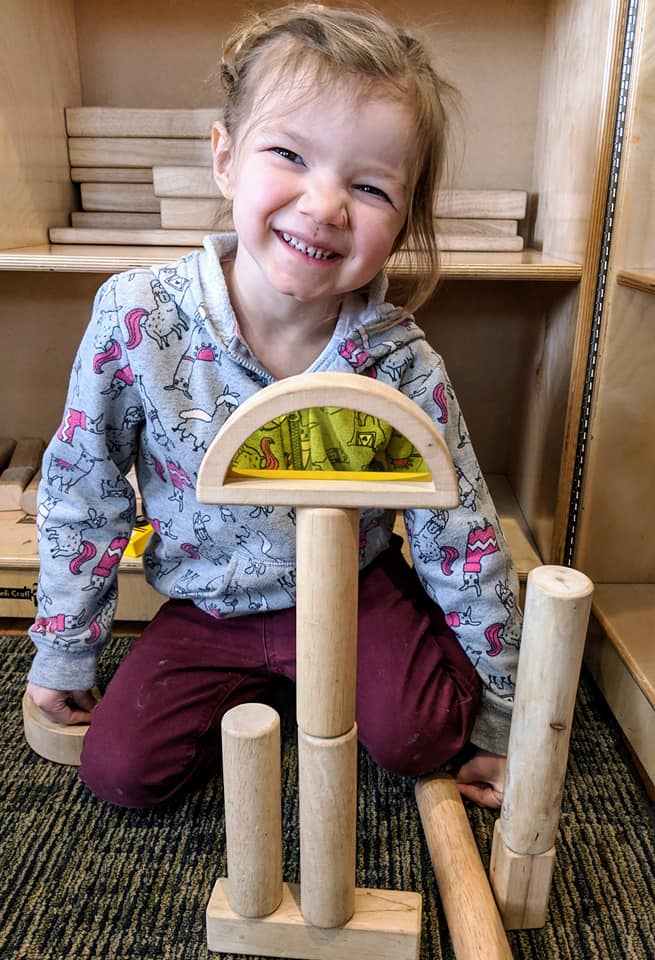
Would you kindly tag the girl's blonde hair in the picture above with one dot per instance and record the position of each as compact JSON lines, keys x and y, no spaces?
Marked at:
{"x":331,"y":43}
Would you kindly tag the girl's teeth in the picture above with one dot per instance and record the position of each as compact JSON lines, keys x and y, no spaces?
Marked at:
{"x":302,"y":248}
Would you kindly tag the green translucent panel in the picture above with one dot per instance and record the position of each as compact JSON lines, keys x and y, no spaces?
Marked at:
{"x":321,"y":441}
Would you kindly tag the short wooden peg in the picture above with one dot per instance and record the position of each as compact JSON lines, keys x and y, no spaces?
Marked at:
{"x":327,"y":783}
{"x":253,"y":817}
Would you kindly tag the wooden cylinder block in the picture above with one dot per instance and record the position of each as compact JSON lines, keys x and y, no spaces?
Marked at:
{"x":476,"y":929}
{"x":557,"y":607}
{"x":327,"y":550}
{"x":327,"y":774}
{"x":53,"y":741}
{"x":253,"y":816}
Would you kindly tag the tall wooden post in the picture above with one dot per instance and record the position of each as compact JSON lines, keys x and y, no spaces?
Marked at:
{"x":557,"y":607}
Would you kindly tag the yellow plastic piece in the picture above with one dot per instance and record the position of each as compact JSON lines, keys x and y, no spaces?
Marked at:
{"x":139,"y":540}
{"x":422,"y":477}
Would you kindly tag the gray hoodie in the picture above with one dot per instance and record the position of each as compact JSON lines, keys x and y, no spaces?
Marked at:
{"x":159,"y":370}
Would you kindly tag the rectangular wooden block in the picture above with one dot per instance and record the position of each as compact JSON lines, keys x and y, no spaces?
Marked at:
{"x":127,"y":197}
{"x":483,"y":204}
{"x":29,"y":495}
{"x":188,"y":182}
{"x":137,"y":152}
{"x":111,"y":174}
{"x":24,"y":463}
{"x":180,"y":214}
{"x":135,"y":122}
{"x":115,"y":221}
{"x":147,"y":238}
{"x":386,"y":925}
{"x":473,"y":241}
{"x":7,"y":447}
{"x":482,"y":228}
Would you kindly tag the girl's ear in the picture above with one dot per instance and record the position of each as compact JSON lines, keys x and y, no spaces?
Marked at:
{"x":223,"y":156}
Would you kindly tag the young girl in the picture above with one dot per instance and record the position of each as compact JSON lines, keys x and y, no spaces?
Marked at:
{"x":330,"y":151}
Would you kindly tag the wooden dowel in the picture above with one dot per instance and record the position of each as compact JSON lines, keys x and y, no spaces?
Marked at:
{"x":558,"y":602}
{"x":327,"y":783}
{"x":473,"y":920}
{"x":253,"y":818}
{"x":327,"y":550}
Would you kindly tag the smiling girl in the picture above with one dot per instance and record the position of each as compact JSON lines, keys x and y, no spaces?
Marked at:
{"x":330,"y":149}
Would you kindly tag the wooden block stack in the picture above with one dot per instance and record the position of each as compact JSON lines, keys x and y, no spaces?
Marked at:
{"x":145,"y":178}
{"x":20,"y":464}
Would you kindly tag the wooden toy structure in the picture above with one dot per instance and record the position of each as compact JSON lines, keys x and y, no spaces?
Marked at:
{"x":253,"y":911}
{"x":326,"y":917}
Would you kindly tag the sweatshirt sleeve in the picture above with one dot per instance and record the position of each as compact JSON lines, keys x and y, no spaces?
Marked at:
{"x":86,"y":507}
{"x":464,"y":564}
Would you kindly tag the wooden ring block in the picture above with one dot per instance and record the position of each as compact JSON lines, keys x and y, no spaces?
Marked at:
{"x":386,"y":925}
{"x":521,"y":883}
{"x":53,"y":741}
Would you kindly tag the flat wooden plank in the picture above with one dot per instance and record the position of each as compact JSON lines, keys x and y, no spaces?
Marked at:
{"x":128,"y":197}
{"x":111,"y":174}
{"x":157,"y":238}
{"x":188,"y":182}
{"x":386,"y":925}
{"x":472,"y":242}
{"x":139,"y":122}
{"x":137,"y":151}
{"x":180,"y":214}
{"x":479,"y":227}
{"x":483,"y":204}
{"x":115,"y":220}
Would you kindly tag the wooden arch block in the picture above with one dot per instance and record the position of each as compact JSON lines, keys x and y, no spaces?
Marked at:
{"x":329,"y":390}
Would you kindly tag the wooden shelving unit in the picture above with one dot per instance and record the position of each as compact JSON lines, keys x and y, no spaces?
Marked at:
{"x":615,"y":537}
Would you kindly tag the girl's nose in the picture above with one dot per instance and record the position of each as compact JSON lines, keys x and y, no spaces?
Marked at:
{"x":324,"y":202}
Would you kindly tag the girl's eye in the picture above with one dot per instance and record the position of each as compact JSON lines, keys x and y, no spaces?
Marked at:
{"x":374,"y":191}
{"x":288,"y":154}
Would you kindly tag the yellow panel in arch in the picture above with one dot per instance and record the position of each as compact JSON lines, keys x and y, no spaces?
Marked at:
{"x":329,"y":443}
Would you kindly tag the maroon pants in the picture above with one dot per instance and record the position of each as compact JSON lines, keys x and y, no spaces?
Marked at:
{"x":157,"y":729}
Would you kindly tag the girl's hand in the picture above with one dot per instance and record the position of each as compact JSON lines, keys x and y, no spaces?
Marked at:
{"x":482,"y":779}
{"x":65,"y":707}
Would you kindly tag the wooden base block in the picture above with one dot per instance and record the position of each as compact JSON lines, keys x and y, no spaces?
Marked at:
{"x":51,"y":740}
{"x":386,"y":925}
{"x":521,"y":884}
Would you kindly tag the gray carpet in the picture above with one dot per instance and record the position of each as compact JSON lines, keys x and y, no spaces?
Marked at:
{"x":82,"y":880}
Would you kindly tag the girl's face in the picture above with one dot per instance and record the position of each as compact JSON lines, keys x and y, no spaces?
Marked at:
{"x":320,"y":190}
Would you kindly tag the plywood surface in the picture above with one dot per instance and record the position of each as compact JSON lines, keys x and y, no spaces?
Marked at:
{"x":39,"y":76}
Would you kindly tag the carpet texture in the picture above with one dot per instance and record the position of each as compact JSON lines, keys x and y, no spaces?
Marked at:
{"x":82,"y":880}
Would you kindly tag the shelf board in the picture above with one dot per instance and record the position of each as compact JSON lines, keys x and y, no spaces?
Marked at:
{"x":620,"y":656}
{"x":89,"y":258}
{"x":637,"y":279}
{"x":626,"y":612}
